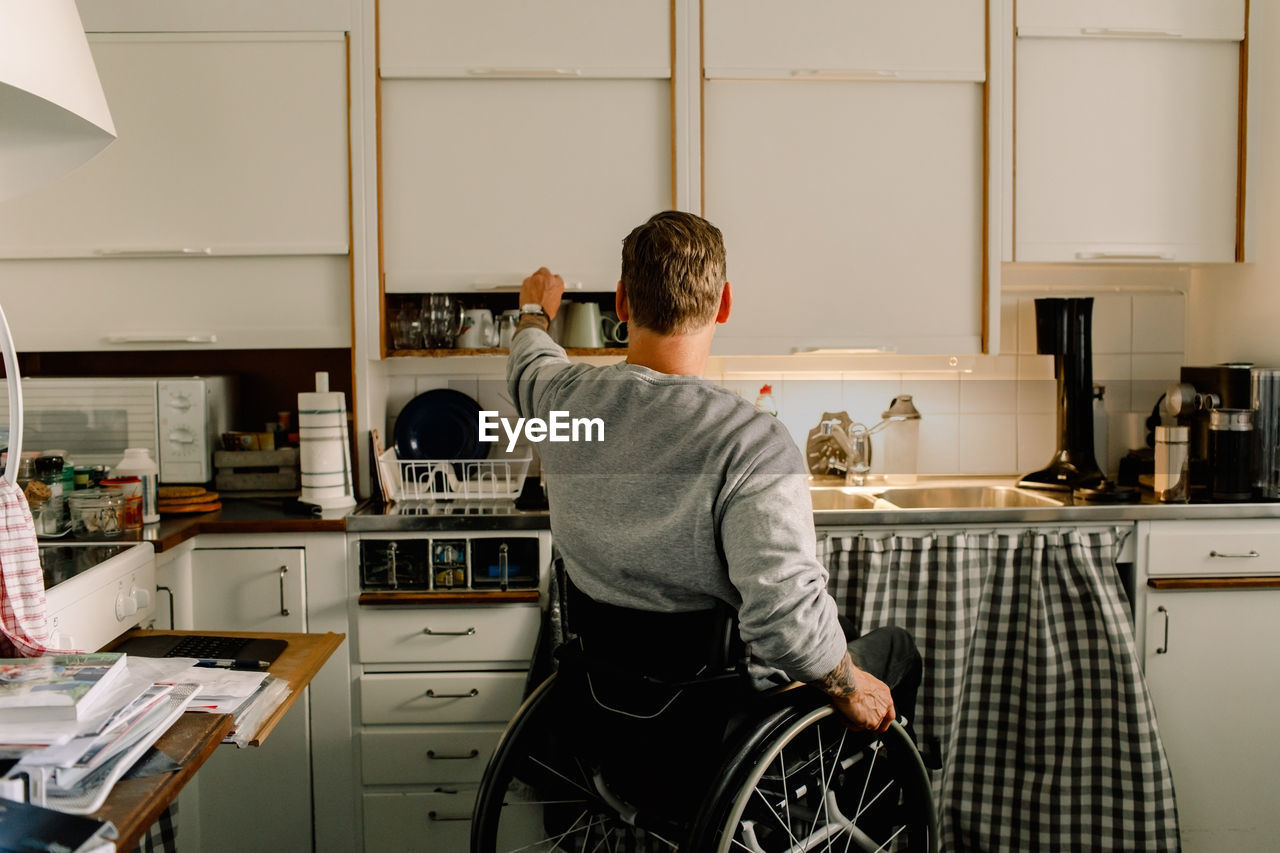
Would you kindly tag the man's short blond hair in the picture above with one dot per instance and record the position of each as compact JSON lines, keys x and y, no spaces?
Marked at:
{"x":673,"y":269}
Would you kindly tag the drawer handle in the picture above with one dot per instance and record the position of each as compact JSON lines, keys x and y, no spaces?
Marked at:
{"x":434,"y":816}
{"x":431,"y":694}
{"x":1248,"y":556}
{"x":1164,"y":649}
{"x":466,"y":633}
{"x":431,"y":753}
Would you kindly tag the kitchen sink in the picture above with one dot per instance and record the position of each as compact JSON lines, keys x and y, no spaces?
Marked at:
{"x":840,"y":499}
{"x":965,"y":497}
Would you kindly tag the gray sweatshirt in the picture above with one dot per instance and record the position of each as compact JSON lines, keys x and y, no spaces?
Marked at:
{"x":691,"y":496}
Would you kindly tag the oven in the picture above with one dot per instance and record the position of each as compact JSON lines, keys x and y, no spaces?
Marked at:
{"x":94,"y":592}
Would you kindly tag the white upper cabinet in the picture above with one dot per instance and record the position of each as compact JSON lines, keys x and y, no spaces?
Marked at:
{"x":1127,"y":150}
{"x":845,"y":39}
{"x":483,"y":181}
{"x":502,"y":152}
{"x":1195,"y":19}
{"x":229,"y":144}
{"x":515,"y":38}
{"x":855,"y":222}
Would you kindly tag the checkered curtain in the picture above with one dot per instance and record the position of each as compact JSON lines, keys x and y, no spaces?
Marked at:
{"x":1033,"y":705}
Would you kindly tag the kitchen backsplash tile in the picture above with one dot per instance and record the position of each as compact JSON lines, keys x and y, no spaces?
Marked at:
{"x":997,"y":419}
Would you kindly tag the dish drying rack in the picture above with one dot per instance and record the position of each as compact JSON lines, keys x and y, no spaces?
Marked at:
{"x":452,"y":479}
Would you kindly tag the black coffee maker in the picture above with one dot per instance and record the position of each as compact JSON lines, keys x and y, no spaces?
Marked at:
{"x":1064,"y":330}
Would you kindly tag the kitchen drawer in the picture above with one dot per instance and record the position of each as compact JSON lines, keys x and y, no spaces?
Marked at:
{"x":422,"y":755}
{"x":458,"y":697}
{"x":454,"y":633}
{"x":1214,"y":548}
{"x":419,"y":822}
{"x":437,"y":821}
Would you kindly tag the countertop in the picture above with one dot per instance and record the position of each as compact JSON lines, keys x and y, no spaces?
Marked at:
{"x":279,"y":516}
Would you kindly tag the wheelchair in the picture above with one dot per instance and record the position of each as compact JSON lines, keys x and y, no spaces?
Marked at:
{"x":626,"y":750}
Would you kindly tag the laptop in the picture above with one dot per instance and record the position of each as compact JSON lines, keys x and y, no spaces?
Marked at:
{"x":229,"y":651}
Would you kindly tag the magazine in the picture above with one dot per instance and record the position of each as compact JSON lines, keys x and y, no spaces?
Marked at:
{"x":56,"y":687}
{"x":29,"y":827}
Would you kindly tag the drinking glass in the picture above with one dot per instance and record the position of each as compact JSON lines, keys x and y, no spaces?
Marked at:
{"x":442,"y":319}
{"x":407,"y":328}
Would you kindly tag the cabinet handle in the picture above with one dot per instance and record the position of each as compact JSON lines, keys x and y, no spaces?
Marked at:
{"x":1164,"y":649}
{"x":1129,"y":32}
{"x":1125,"y":256}
{"x":433,"y":816}
{"x":431,"y":753}
{"x":154,"y":253}
{"x":470,"y":694}
{"x":284,"y":570}
{"x":524,"y":72}
{"x":1224,"y":556}
{"x":831,"y":74}
{"x":162,"y":339}
{"x":466,"y":633}
{"x":170,"y":591}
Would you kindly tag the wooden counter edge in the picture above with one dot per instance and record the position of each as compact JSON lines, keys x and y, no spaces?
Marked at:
{"x":297,"y":664}
{"x":135,"y":804}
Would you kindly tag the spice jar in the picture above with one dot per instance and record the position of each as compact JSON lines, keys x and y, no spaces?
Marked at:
{"x":52,"y":518}
{"x":131,"y":489}
{"x":1172,"y":464}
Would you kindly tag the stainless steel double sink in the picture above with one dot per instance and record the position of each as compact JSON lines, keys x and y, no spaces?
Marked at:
{"x":928,"y":496}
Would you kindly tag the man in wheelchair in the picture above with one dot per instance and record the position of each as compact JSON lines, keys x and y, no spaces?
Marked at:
{"x":693,"y":596}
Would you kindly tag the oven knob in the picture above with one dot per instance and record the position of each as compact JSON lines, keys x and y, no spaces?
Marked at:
{"x":143,"y":598}
{"x":125,"y":606}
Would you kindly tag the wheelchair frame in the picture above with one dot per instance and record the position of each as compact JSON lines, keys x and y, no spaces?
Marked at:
{"x":869,"y":792}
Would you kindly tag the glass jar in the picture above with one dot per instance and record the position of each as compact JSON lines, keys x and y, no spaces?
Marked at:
{"x":96,"y":513}
{"x":1231,"y":454}
{"x":53,"y":518}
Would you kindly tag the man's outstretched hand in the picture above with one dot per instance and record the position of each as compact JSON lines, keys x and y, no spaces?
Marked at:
{"x":545,"y":288}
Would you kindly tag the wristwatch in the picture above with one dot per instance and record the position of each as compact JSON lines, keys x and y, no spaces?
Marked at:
{"x":533,"y":308}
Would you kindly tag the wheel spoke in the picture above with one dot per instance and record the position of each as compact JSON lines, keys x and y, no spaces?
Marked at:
{"x":577,"y":785}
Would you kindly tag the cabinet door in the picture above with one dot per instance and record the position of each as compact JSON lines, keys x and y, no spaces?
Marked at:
{"x":935,"y":39}
{"x":483,"y":181}
{"x":480,"y":38}
{"x":1213,"y":688}
{"x":1126,"y":150}
{"x":855,"y":221}
{"x":140,"y":16}
{"x":257,"y":798}
{"x":228,"y":145}
{"x":1141,"y":18}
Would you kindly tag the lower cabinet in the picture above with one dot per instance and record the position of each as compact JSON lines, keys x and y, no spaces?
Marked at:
{"x":296,"y":793}
{"x":429,"y":725}
{"x":1210,"y":623}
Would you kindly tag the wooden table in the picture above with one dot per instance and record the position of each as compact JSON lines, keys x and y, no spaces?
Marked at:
{"x":134,"y":805}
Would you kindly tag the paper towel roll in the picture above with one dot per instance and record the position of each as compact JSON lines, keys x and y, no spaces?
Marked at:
{"x":324,"y":455}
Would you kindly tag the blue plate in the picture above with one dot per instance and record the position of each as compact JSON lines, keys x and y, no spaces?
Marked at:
{"x":440,"y":424}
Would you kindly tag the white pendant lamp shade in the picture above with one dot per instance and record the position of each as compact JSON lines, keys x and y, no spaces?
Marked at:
{"x":53,"y":114}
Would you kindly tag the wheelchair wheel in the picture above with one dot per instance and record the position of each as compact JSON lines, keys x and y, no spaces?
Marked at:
{"x":812,"y":784}
{"x":538,"y":794}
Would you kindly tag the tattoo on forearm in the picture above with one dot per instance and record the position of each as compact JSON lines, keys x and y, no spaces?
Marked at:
{"x":839,"y":681}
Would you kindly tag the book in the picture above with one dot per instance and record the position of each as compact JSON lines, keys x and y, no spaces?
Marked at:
{"x":56,"y":687}
{"x":28,"y":827}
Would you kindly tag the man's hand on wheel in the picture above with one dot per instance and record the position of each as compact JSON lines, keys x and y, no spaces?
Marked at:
{"x":863,"y":699}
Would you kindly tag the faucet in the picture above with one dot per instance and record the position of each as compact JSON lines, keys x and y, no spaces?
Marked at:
{"x":856,"y":444}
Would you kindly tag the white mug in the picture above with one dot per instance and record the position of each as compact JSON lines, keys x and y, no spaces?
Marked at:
{"x":478,"y":330}
{"x":582,"y":326}
{"x":507,"y":324}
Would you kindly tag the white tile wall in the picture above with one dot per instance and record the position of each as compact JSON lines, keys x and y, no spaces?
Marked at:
{"x":998,"y":419}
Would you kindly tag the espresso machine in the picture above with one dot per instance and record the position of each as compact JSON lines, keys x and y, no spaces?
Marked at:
{"x":1215,"y":402}
{"x":1064,"y":330}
